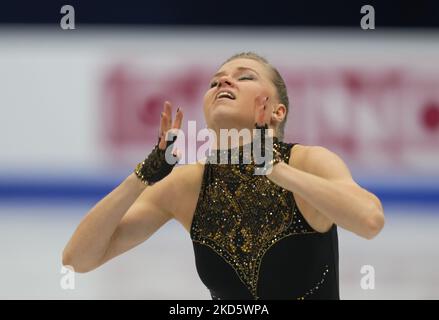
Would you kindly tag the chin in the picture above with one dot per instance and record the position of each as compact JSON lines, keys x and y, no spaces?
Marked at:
{"x":224,"y":112}
{"x":228,"y":120}
{"x":224,"y":103}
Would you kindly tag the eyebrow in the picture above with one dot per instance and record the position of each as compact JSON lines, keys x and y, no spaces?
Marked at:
{"x":239,"y":68}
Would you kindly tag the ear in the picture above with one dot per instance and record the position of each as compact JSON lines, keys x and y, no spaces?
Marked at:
{"x":279,"y":113}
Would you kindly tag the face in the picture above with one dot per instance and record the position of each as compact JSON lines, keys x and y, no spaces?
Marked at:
{"x":234,"y":93}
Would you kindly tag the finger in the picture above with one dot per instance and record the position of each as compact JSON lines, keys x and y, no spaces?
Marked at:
{"x":163,"y":124}
{"x":178,"y":119}
{"x":261,"y":115}
{"x":269,"y":112}
{"x":164,"y":119}
{"x":268,"y":109}
{"x":168,"y":112}
{"x":260,"y":111}
{"x":166,"y":124}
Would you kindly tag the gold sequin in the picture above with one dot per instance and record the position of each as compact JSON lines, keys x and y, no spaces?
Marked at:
{"x":241,"y":215}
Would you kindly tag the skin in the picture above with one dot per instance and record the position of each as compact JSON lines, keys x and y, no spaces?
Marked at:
{"x":319,"y":180}
{"x":251,"y":84}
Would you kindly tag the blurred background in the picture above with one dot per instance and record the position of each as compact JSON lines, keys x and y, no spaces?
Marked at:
{"x":80,"y":107}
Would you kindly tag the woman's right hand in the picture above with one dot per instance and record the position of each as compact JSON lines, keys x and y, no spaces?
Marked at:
{"x":129,"y":214}
{"x":162,"y":158}
{"x":166,"y":125}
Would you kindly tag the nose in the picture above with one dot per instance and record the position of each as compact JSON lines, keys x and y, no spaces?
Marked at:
{"x":224,"y":81}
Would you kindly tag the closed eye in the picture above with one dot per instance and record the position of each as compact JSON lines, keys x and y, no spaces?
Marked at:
{"x":246,"y":78}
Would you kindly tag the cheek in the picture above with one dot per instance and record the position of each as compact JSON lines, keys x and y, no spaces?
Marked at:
{"x":207,"y":99}
{"x":252,"y":93}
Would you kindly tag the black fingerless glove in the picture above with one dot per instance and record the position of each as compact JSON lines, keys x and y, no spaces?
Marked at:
{"x":265,"y":150}
{"x":158,"y":164}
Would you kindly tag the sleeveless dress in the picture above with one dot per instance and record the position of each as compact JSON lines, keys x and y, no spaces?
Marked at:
{"x":250,"y":239}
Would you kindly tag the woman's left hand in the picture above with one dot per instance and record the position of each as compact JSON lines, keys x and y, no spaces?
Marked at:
{"x":264,"y":142}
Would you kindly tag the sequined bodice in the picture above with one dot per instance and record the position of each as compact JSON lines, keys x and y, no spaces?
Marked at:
{"x":238,"y":218}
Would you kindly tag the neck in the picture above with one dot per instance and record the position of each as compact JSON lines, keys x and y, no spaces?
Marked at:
{"x":231,"y":141}
{"x":231,"y":137}
{"x":227,"y":143}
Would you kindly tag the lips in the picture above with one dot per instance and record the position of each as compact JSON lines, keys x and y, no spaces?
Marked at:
{"x":225,"y":94}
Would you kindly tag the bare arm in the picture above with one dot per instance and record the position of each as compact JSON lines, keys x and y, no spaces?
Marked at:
{"x":91,"y":238}
{"x":327,"y":185}
{"x":118,"y":222}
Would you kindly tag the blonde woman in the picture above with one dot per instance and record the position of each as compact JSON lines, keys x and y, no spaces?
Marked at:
{"x":269,"y":236}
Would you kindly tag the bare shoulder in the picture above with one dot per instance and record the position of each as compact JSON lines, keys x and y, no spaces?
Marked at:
{"x":302,"y":156}
{"x":297,"y":155}
{"x":320,"y":161}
